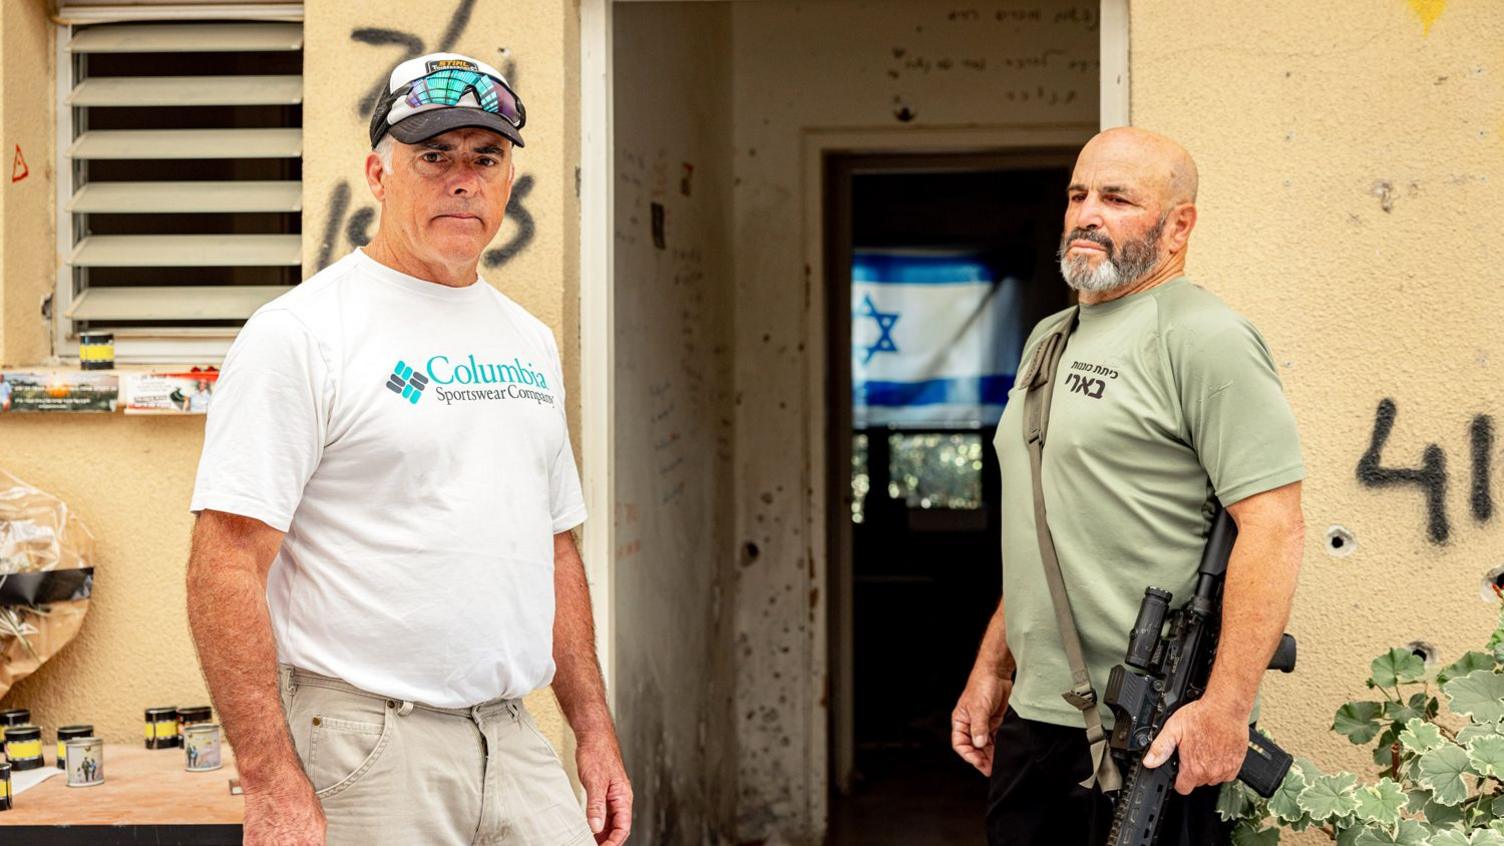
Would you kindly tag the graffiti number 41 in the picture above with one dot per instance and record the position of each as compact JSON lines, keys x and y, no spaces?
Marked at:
{"x":1431,"y":476}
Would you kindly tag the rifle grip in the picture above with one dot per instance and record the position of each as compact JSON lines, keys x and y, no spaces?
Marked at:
{"x":1265,"y":766}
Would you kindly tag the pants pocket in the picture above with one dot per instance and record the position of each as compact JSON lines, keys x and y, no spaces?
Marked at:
{"x":345,"y":736}
{"x":527,"y":720}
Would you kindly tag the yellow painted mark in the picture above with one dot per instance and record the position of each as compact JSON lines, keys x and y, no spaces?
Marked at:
{"x":1428,"y":11}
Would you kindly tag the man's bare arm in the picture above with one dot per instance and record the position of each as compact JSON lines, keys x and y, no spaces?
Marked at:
{"x":232,"y":631}
{"x":979,"y":711}
{"x":582,"y":696}
{"x":577,"y":678}
{"x":1211,"y":733}
{"x":1256,"y":598}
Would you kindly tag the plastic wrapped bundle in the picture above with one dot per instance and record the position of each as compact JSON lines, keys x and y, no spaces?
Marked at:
{"x":46,"y":577}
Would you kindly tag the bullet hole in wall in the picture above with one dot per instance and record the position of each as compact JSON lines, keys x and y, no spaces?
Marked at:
{"x":1340,"y":542}
{"x":1492,"y":588}
{"x":1424,"y":650}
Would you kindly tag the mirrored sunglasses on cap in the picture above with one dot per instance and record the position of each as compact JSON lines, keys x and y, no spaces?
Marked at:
{"x":448,"y":87}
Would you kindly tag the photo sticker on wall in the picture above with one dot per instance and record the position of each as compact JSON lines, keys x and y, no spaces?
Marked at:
{"x":405,"y":382}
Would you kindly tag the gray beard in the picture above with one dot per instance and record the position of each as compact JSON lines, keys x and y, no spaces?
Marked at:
{"x":1120,"y":267}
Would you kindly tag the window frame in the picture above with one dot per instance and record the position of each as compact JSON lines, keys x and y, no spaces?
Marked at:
{"x":145,"y":345}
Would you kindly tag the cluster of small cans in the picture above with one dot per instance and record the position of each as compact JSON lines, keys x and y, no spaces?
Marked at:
{"x":81,"y":755}
{"x":192,"y":729}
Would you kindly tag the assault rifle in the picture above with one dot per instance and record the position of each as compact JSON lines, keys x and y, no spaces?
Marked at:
{"x":1165,"y":669}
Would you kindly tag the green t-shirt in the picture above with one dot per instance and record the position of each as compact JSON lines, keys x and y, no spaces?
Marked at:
{"x":1163,"y":398}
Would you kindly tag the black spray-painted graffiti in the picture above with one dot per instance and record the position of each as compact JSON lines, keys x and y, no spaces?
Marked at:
{"x":355,"y":226}
{"x":1431,"y":476}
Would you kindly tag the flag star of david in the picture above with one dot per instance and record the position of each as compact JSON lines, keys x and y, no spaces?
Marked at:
{"x":885,"y":321}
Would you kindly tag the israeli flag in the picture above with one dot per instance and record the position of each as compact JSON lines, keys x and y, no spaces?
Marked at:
{"x":935,"y":339}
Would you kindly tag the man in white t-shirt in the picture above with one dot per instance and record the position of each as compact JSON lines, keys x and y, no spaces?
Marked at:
{"x":382,"y":564}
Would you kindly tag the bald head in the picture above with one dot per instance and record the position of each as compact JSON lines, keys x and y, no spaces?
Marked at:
{"x":1160,"y":164}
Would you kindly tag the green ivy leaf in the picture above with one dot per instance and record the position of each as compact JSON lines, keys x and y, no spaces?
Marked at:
{"x":1401,"y":713}
{"x":1457,"y":837}
{"x":1234,"y":801}
{"x":1397,"y":666}
{"x":1331,"y":796}
{"x":1408,"y":833}
{"x":1482,"y":811}
{"x":1486,"y":754}
{"x":1479,"y":695}
{"x":1420,"y":736}
{"x":1251,"y":834}
{"x":1358,"y":720}
{"x":1440,"y":815}
{"x":1381,"y":803}
{"x":1441,"y":770}
{"x":1466,"y":664}
{"x":1285,"y":803}
{"x":1473,"y":731}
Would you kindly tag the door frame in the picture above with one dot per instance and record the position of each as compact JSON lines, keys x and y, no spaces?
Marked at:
{"x":597,"y":355}
{"x":830,"y":160}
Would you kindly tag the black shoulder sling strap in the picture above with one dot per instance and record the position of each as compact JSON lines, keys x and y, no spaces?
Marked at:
{"x":1039,"y":380}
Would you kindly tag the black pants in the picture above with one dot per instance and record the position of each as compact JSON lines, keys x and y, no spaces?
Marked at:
{"x":1035,"y":797}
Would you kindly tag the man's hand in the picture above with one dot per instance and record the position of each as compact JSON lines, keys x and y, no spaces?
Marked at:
{"x":608,"y":794}
{"x":1212,"y":740}
{"x":290,"y":816}
{"x":977,"y":716}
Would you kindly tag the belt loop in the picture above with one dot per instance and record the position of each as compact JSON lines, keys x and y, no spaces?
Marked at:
{"x":406,"y":708}
{"x":287,"y":678}
{"x":515,"y":709}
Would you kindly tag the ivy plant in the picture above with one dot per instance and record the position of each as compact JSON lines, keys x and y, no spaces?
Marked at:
{"x":1439,"y":774}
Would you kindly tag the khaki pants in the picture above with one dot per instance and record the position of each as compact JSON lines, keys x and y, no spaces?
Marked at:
{"x":390,"y":771}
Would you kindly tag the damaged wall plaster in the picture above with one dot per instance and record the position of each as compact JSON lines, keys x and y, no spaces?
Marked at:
{"x":800,"y":68}
{"x":673,"y":417}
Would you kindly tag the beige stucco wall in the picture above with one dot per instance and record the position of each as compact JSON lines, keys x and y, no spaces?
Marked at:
{"x":26,"y":51}
{"x":1350,"y":171}
{"x":130,"y":478}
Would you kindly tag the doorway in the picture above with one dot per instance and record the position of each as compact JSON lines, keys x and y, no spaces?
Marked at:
{"x":938,"y":265}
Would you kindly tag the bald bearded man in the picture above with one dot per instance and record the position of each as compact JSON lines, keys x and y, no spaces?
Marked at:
{"x":1165,"y":399}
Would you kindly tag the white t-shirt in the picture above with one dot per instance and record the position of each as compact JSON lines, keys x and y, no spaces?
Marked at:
{"x":409,"y":437}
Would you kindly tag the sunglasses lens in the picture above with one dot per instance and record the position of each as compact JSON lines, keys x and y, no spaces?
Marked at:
{"x":447,"y":88}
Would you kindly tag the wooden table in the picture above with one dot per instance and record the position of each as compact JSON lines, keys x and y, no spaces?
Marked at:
{"x":147,"y":797}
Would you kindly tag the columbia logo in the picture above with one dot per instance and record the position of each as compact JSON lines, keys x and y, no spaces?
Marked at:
{"x":407,"y":383}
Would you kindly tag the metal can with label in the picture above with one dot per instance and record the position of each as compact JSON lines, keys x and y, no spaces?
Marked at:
{"x":85,"y":762}
{"x":193,"y":716}
{"x":65,"y":734}
{"x":15,"y":717}
{"x":23,"y":747}
{"x":96,"y":351}
{"x":4,"y":787}
{"x":162,"y":728}
{"x":201,"y":748}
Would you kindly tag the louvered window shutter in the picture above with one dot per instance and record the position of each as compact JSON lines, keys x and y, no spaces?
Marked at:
{"x":181,"y":154}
